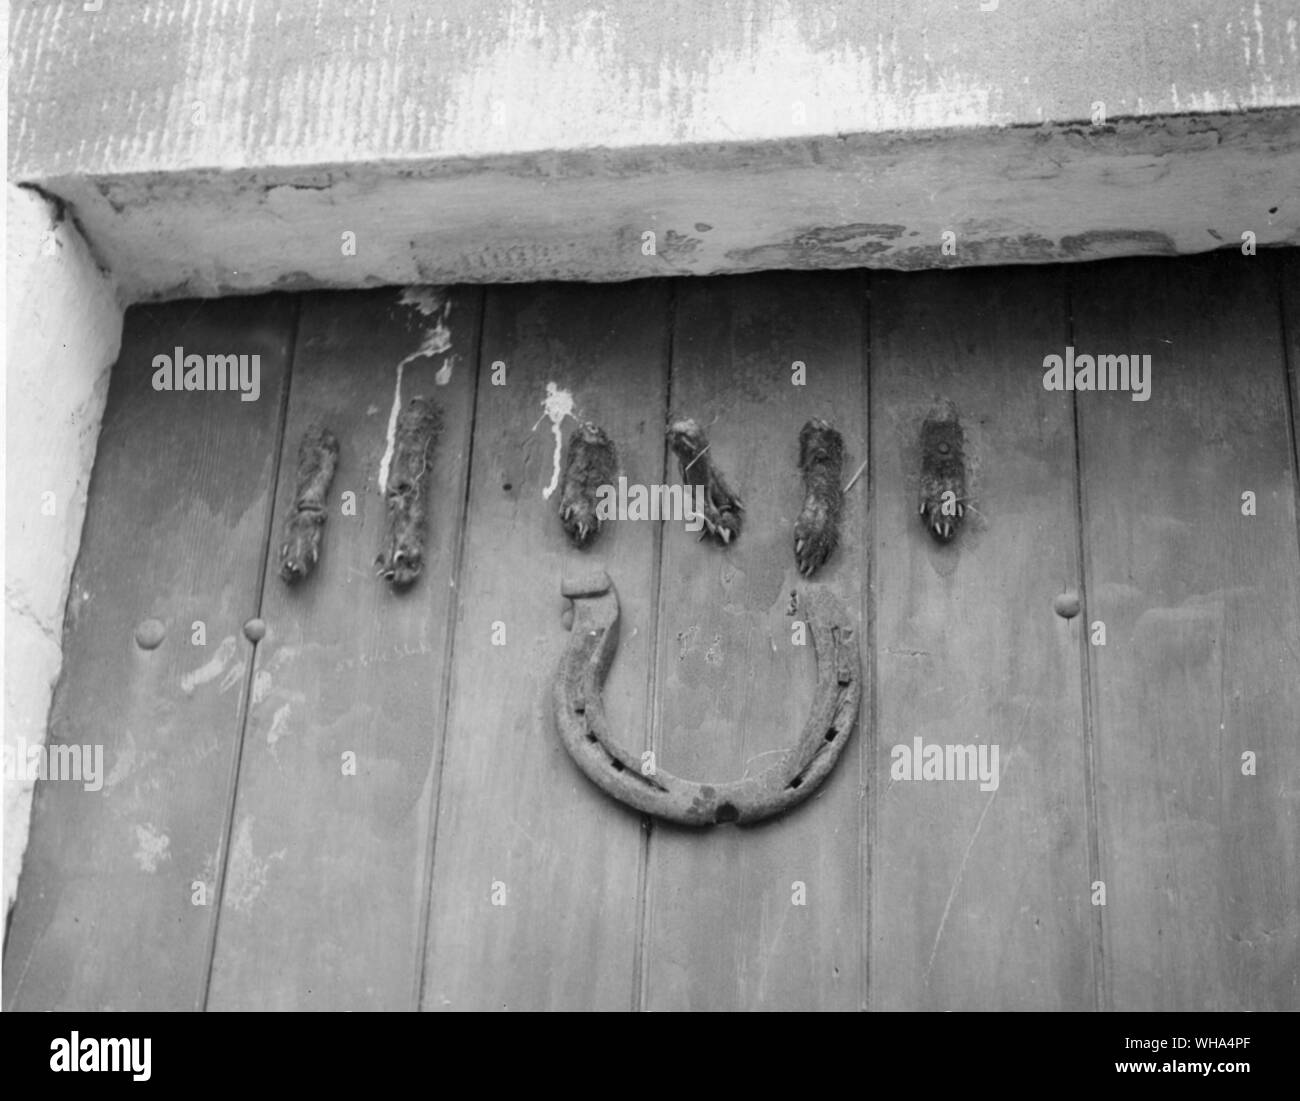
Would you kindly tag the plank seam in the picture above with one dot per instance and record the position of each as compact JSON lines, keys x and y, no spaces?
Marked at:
{"x":641,"y":953}
{"x":1100,"y":985}
{"x":1290,"y":381}
{"x":449,"y":648}
{"x":867,"y":722}
{"x":246,"y":692}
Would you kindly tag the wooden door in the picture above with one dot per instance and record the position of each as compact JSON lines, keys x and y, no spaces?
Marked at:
{"x":367,"y":807}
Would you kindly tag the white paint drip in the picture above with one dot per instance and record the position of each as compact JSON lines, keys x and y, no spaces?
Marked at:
{"x":212,"y":668}
{"x":436,"y":341}
{"x":427,"y":301}
{"x":392,"y":431}
{"x":557,"y":405}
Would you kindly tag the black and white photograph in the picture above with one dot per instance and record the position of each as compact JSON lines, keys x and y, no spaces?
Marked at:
{"x":653,"y":506}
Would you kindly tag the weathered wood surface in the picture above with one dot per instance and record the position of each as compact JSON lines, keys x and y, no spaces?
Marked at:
{"x":326,"y":886}
{"x":1119,"y":763}
{"x":106,"y":916}
{"x":1286,"y":266}
{"x":728,"y":926}
{"x":979,"y":898}
{"x":536,"y":877}
{"x":1201,"y":663}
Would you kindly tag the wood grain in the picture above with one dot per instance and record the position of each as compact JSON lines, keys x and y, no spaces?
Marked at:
{"x":725,"y":927}
{"x":514,"y":811}
{"x":1201,"y":605}
{"x":326,"y":888}
{"x":1286,"y":270}
{"x":175,"y":530}
{"x":1119,"y":762}
{"x":979,"y":897}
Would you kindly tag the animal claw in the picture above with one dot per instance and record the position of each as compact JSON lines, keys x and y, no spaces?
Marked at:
{"x":721,"y":508}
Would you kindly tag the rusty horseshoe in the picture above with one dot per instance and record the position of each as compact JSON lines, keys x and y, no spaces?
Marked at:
{"x":580,"y":718}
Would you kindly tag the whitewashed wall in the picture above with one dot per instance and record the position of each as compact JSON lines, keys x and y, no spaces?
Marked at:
{"x":63,"y":329}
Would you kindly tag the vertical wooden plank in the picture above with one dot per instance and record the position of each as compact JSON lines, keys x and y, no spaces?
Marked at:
{"x":324,"y":894}
{"x":979,"y":893}
{"x":725,"y":929}
{"x":1201,"y":605}
{"x":1286,"y":269}
{"x":175,"y":530}
{"x":535,"y":885}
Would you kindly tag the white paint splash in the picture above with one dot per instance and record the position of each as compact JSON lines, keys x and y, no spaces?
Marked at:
{"x":129,"y":759}
{"x":557,"y":405}
{"x":247,"y":873}
{"x":234,"y":676}
{"x":212,"y":668}
{"x":261,"y":686}
{"x":279,"y":726}
{"x":152,"y":846}
{"x":429,"y":302}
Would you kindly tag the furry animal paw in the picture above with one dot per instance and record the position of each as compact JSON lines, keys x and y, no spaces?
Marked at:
{"x":590,"y":464}
{"x":401,"y":557}
{"x":722,"y":507}
{"x":318,"y":455}
{"x":943,"y":476}
{"x":817,"y":531}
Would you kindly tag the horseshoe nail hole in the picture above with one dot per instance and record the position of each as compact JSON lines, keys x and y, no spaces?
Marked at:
{"x":830,"y":734}
{"x":1272,"y":210}
{"x":507,"y":487}
{"x":726,"y":812}
{"x":590,"y":736}
{"x":618,"y":765}
{"x":795,"y":782}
